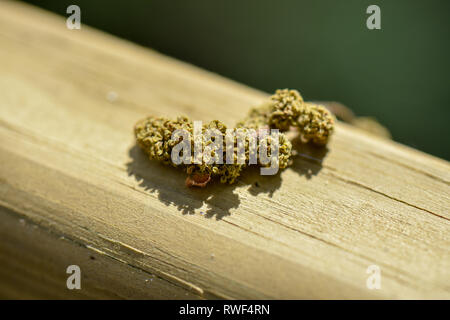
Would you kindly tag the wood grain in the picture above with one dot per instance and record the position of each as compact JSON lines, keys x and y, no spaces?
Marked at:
{"x":70,"y":168}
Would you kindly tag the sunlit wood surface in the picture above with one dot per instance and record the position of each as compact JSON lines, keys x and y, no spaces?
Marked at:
{"x":74,"y":189}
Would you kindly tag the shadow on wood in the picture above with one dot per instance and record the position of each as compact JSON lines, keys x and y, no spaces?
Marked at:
{"x":217,"y":199}
{"x":168,"y":183}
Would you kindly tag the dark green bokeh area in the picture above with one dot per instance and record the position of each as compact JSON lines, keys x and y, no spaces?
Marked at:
{"x":399,"y":74}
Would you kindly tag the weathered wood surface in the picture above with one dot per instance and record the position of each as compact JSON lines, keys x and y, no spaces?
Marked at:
{"x":73,"y":185}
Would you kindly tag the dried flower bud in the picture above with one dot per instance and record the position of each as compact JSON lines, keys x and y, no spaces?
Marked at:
{"x":154,"y":136}
{"x":285,"y":110}
{"x":315,"y":123}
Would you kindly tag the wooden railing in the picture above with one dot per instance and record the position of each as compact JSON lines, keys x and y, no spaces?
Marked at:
{"x":75,"y":190}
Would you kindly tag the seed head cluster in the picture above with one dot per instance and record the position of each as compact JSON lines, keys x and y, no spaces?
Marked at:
{"x":284,"y":110}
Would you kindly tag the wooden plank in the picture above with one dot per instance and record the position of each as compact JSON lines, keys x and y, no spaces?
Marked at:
{"x":70,"y":167}
{"x":34,"y":262}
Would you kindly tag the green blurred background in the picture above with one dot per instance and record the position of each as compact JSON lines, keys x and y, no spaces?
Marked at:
{"x":399,"y":74}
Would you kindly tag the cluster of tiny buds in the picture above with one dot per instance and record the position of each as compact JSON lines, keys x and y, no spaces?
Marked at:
{"x":258,"y":139}
{"x":314,"y":122}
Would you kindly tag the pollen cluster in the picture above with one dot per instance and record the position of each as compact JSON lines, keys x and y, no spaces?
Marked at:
{"x":284,"y":110}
